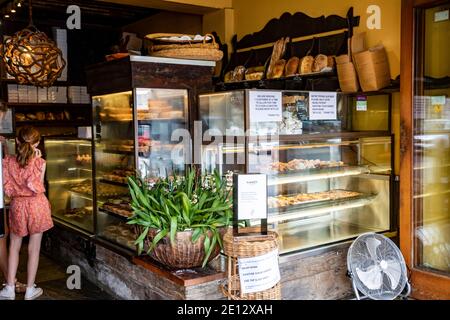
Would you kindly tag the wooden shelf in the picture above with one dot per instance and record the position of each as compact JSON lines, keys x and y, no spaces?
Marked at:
{"x":49,"y":105}
{"x":54,"y":123}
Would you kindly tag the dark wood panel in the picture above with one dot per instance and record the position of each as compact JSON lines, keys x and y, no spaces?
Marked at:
{"x":108,"y":77}
{"x":296,"y":25}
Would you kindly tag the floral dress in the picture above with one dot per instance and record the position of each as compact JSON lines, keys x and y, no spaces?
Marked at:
{"x":30,"y":210}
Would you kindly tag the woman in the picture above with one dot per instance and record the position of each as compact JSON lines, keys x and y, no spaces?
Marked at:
{"x":30,"y":214}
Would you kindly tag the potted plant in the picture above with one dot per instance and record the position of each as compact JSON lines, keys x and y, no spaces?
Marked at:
{"x":181,"y":220}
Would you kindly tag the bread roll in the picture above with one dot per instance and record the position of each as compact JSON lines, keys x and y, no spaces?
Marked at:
{"x":278,"y":69}
{"x":40,"y":115}
{"x":292,"y":66}
{"x":31,"y":116}
{"x":320,"y":62}
{"x":228,"y":76}
{"x":239,"y":73}
{"x":20,"y":117}
{"x":306,"y":65}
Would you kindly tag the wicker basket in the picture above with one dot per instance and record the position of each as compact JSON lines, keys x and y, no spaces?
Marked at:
{"x":188,"y":50}
{"x":246,"y":247}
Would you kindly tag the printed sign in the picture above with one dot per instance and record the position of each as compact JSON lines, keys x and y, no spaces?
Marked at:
{"x":323,"y":106}
{"x":361,"y":103}
{"x":251,"y":196}
{"x":265,"y":106}
{"x":259,"y":273}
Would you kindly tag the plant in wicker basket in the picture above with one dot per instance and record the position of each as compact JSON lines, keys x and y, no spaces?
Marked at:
{"x":181,"y":220}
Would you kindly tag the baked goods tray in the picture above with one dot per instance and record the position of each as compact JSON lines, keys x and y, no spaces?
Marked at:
{"x":318,"y":203}
{"x":114,"y":183}
{"x":294,"y":176}
{"x":111,"y":213}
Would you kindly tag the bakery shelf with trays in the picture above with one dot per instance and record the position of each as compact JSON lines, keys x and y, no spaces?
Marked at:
{"x":326,"y":184}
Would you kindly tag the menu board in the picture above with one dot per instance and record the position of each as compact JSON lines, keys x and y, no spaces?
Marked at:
{"x":265,"y":106}
{"x":251,"y":197}
{"x":323,"y":106}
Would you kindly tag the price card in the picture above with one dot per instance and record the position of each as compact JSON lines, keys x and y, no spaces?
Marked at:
{"x":361,"y":103}
{"x":251,"y":196}
{"x":259,"y":273}
{"x":323,"y":106}
{"x":265,"y":106}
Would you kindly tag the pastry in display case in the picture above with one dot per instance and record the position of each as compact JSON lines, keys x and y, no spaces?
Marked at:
{"x":69,"y":180}
{"x":325,"y":185}
{"x":133,"y":136}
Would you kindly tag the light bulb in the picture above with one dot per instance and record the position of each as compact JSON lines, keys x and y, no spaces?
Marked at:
{"x":6,"y":16}
{"x":13,"y":10}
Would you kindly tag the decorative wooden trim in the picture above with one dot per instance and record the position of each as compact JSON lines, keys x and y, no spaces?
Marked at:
{"x":296,"y":25}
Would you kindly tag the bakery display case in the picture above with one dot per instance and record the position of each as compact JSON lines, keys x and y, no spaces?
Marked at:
{"x":326,"y":182}
{"x":133,"y":135}
{"x":69,"y":181}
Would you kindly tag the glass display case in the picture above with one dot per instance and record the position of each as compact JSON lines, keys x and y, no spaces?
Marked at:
{"x":136,"y":132}
{"x":326,"y":182}
{"x":69,"y":181}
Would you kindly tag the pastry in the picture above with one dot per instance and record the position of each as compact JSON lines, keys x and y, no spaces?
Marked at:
{"x":40,"y":116}
{"x":66,"y":115}
{"x":31,"y":116}
{"x":320,"y":63}
{"x":50,"y":116}
{"x":306,"y":65}
{"x":20,"y":117}
{"x":278,"y":69}
{"x":228,"y":76}
{"x":171,"y":114}
{"x":292,"y":66}
{"x":157,"y":104}
{"x":283,"y":201}
{"x":238,"y":74}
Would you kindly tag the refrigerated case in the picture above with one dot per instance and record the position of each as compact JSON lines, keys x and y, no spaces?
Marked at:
{"x":326,"y":182}
{"x":133,"y":135}
{"x":69,"y":181}
{"x":141,"y":126}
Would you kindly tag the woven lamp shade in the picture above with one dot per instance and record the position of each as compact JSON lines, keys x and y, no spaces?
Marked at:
{"x":32,"y":58}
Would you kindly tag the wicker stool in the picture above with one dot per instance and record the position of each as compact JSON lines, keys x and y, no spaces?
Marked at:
{"x":247,"y":247}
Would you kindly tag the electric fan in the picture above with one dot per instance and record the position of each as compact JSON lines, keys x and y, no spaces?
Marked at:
{"x":377,"y":268}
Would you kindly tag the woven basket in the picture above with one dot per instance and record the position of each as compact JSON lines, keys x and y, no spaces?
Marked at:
{"x":246,"y":247}
{"x":195,"y":51}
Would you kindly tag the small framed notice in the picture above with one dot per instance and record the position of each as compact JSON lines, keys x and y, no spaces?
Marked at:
{"x":323,"y":106}
{"x":265,"y":106}
{"x":250,"y":199}
{"x":361,"y":103}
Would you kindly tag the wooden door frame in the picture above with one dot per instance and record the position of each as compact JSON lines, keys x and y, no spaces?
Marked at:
{"x":426,"y":284}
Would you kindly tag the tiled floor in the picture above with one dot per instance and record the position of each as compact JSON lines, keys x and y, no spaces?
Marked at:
{"x":52,"y":279}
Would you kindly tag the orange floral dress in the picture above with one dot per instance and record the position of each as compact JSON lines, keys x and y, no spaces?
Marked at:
{"x":30,"y":210}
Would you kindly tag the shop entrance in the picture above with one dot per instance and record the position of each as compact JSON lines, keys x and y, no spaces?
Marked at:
{"x":425,"y":162}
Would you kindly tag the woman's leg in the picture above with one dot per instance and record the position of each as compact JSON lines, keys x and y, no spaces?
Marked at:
{"x":3,"y":258}
{"x":34,"y":248}
{"x":13,"y":260}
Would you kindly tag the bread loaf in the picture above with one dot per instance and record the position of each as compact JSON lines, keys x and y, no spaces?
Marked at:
{"x":331,"y":63}
{"x":254,"y":76}
{"x":306,"y":65}
{"x":278,"y":52}
{"x":320,"y":62}
{"x":278,"y":69}
{"x":292,"y":66}
{"x":239,"y":73}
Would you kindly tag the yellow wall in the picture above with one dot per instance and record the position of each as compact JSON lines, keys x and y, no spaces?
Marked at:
{"x":437,"y":50}
{"x":252,"y":15}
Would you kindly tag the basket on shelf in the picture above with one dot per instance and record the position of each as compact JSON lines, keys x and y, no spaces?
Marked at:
{"x":187,"y":49}
{"x":246,"y":247}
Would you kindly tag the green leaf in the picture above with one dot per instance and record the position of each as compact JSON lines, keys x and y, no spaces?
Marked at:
{"x":196,"y":234}
{"x":173,"y":229}
{"x":157,"y":238}
{"x":210,"y":250}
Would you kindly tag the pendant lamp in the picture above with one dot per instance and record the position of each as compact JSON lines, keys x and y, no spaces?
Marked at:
{"x":31,"y":57}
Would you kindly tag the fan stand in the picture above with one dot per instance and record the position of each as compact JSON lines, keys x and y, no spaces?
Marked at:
{"x":403,"y":295}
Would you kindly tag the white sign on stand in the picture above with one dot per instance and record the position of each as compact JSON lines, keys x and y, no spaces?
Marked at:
{"x":265,"y":106}
{"x":251,"y":196}
{"x":323,"y":106}
{"x":259,"y":273}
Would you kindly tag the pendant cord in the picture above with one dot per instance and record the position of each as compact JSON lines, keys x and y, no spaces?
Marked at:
{"x":30,"y":12}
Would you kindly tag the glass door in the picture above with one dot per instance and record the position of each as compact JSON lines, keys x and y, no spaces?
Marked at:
{"x":425,"y":229}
